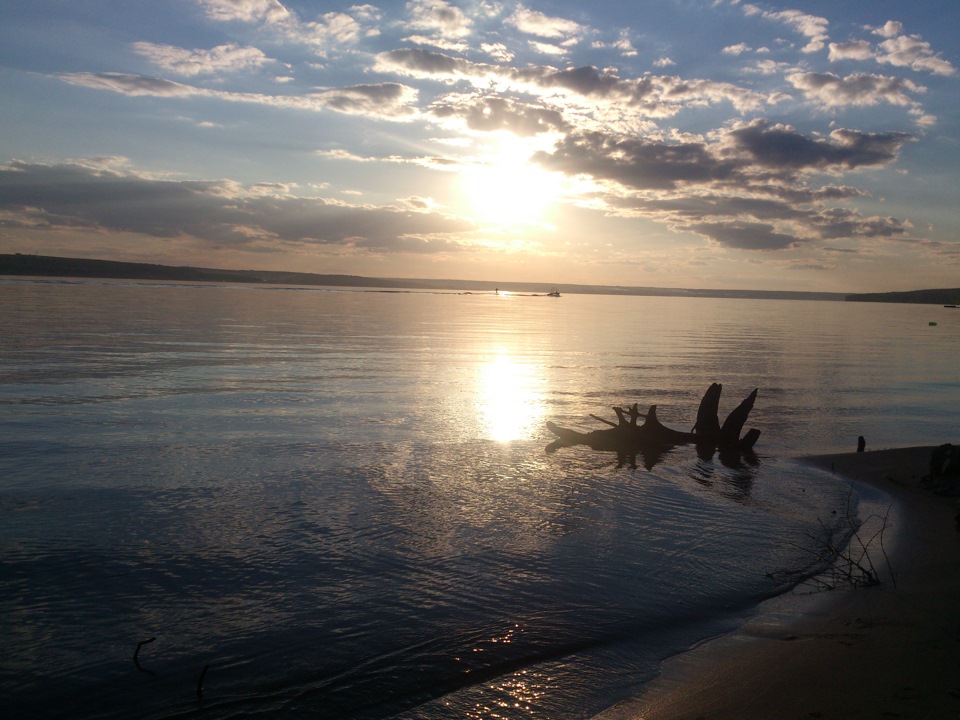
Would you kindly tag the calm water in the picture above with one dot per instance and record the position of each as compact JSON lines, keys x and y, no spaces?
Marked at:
{"x":341,"y":503}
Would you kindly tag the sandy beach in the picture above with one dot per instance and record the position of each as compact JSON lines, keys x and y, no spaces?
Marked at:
{"x":886,"y":651}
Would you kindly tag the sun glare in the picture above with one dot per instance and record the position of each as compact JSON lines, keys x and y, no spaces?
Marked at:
{"x":505,"y":188}
{"x":510,"y":399}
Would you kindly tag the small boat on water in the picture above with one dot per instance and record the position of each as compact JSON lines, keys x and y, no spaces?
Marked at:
{"x":553,"y":293}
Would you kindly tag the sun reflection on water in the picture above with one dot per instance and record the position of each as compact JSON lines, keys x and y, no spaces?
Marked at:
{"x":510,"y":398}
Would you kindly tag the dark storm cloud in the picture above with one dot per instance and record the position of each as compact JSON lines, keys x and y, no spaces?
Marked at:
{"x":218,"y":212}
{"x":753,"y":223}
{"x":781,"y":146}
{"x":636,"y":162}
{"x":746,"y":188}
{"x":745,"y":151}
{"x":744,"y":235}
{"x":834,"y":223}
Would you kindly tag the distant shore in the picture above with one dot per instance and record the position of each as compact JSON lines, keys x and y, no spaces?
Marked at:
{"x":21,"y":265}
{"x":891,"y":650}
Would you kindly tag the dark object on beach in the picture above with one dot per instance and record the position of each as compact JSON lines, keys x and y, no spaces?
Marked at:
{"x":861,"y":444}
{"x":944,"y":477}
{"x":944,"y":461}
{"x":652,"y":438}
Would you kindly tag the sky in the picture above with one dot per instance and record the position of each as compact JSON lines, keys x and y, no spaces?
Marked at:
{"x":799,"y":145}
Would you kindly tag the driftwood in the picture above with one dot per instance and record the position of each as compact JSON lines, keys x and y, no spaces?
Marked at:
{"x":652,"y":437}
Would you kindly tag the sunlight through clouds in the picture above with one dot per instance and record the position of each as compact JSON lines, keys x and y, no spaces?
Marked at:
{"x":506,"y":189}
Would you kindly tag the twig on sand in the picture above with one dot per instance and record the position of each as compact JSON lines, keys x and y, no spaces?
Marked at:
{"x":136,"y":655}
{"x":851,"y":565}
{"x":203,"y":674}
{"x":140,"y":645}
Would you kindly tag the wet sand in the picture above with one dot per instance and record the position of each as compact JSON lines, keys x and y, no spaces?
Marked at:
{"x":887,"y":651}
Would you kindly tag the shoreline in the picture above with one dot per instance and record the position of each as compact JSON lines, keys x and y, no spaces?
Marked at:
{"x":891,"y":650}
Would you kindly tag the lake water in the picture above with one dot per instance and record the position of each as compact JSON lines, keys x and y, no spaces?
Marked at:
{"x":340,"y":502}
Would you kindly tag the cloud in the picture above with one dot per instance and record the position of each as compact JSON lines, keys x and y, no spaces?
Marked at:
{"x":811,"y":266}
{"x":622,"y":44}
{"x":332,"y":30}
{"x":888,"y":29}
{"x":635,"y":162}
{"x":744,"y":235}
{"x":908,"y":51}
{"x":390,"y":99}
{"x":341,"y":154}
{"x":250,"y":11}
{"x":853,"y":50}
{"x":737,"y":49}
{"x":489,"y":114}
{"x":438,"y":42}
{"x":132,"y":85}
{"x":369,"y":13}
{"x":386,"y":101}
{"x":536,"y":23}
{"x":768,"y":67}
{"x":649,"y":96}
{"x":912,"y":52}
{"x":433,"y":162}
{"x":546,"y":48}
{"x":223,"y":58}
{"x":860,"y":89}
{"x":335,"y":27}
{"x":810,"y":26}
{"x":445,"y":19}
{"x":742,"y":152}
{"x":498,"y":51}
{"x":219,"y":213}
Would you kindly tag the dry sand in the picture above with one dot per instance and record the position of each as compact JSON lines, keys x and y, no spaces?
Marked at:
{"x":889,"y":651}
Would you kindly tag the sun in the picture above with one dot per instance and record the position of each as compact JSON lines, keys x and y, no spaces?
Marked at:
{"x":505,"y":188}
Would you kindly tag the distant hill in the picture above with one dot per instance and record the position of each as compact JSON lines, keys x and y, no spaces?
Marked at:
{"x":946,"y":296}
{"x":48,"y":266}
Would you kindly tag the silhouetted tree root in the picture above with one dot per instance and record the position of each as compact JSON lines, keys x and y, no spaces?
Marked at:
{"x":652,"y":438}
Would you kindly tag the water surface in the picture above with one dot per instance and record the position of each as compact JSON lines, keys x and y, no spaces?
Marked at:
{"x":341,"y":503}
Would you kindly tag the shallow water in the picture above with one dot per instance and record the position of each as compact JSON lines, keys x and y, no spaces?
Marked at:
{"x":341,"y":502}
